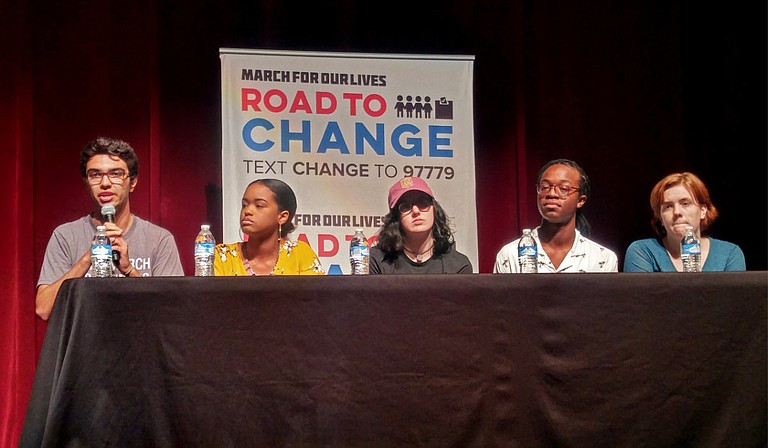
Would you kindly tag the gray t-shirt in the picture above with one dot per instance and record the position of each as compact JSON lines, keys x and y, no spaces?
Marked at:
{"x":152,"y":249}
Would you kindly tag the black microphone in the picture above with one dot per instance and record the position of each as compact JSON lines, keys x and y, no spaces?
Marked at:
{"x":108,"y":212}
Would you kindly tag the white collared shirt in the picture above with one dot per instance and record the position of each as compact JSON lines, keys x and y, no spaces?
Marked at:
{"x":584,"y":256}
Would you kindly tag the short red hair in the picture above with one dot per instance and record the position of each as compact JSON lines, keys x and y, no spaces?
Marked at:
{"x":695,"y":187}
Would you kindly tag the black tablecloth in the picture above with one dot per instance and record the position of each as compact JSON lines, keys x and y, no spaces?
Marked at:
{"x":578,"y":360}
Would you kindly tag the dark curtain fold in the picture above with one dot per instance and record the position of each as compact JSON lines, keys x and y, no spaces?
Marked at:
{"x":17,"y":325}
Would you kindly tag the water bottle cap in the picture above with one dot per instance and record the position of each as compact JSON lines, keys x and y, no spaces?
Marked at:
{"x":205,"y":227}
{"x":358,"y":229}
{"x":101,"y":228}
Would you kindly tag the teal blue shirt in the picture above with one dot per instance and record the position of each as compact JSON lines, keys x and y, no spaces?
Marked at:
{"x":649,"y":255}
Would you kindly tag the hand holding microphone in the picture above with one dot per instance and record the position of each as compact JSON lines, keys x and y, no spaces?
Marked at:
{"x":108,"y":212}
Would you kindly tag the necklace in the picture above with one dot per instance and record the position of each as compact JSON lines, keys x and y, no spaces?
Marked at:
{"x":247,"y":263}
{"x":419,"y":256}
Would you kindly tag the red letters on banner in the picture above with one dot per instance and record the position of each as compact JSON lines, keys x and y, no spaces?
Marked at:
{"x":325,"y":103}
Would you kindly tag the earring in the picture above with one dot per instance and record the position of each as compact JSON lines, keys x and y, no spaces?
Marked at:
{"x":279,"y":231}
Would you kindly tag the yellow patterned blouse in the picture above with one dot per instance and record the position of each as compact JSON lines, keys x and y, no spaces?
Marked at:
{"x":296,"y":258}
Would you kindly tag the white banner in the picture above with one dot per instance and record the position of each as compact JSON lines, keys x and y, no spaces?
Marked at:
{"x":340,"y":129}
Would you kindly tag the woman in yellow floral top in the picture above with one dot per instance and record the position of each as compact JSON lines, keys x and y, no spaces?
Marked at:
{"x":266,"y":218}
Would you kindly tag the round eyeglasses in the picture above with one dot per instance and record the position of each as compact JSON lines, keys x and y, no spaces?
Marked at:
{"x":562,"y":190}
{"x":116,"y":176}
{"x":423,"y":204}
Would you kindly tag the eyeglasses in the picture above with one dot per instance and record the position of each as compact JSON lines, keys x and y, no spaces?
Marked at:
{"x":422,"y":203}
{"x":562,"y":190}
{"x":116,"y":176}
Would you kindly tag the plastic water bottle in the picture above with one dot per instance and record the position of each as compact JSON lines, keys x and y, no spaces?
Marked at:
{"x":359,"y":253}
{"x":204,"y":245}
{"x":690,"y":251}
{"x":528,"y":253}
{"x":101,"y":254}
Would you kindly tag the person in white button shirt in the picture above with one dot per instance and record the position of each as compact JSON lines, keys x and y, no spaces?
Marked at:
{"x":562,"y":187}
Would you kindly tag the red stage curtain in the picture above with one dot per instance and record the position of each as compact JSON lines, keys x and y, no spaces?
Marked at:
{"x":18,"y":345}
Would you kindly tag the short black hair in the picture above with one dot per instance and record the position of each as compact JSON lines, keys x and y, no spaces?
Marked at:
{"x":584,"y":188}
{"x":112,"y":147}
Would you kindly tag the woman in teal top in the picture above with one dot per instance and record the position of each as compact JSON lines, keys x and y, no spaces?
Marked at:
{"x":677,"y":201}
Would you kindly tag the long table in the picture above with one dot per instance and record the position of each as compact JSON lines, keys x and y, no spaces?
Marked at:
{"x":578,"y":360}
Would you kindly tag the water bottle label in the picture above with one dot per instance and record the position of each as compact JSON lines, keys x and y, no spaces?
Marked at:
{"x":101,"y":250}
{"x":359,"y":251}
{"x":527,"y":251}
{"x":203,"y":249}
{"x":693,"y":248}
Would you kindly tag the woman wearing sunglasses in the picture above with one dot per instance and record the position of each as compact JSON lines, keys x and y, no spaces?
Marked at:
{"x":416,"y":237}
